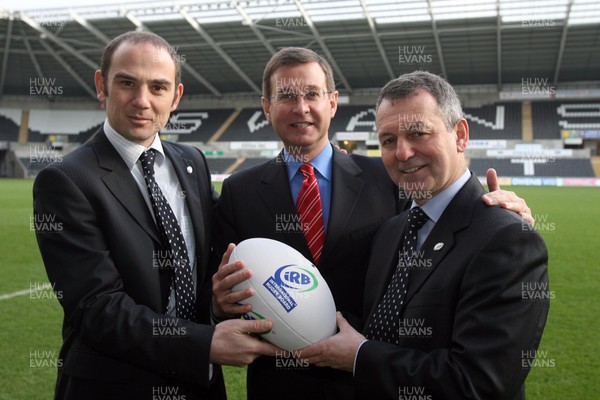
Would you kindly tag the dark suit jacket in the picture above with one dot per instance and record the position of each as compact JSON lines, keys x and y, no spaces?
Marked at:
{"x":118,"y":344}
{"x":258,"y":203}
{"x":475,"y":322}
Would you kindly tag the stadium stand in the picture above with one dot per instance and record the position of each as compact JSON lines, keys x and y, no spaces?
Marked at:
{"x":34,"y":166}
{"x":196,"y":125}
{"x":9,"y":131}
{"x":538,"y":167}
{"x":249,"y":163}
{"x":84,"y":136}
{"x":501,"y":122}
{"x":353,"y":119}
{"x":250,"y":125}
{"x":551,"y":117}
{"x":495,"y":121}
{"x":219,"y":165}
{"x":578,"y":167}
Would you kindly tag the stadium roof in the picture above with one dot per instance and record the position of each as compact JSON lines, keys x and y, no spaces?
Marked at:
{"x":224,"y":45}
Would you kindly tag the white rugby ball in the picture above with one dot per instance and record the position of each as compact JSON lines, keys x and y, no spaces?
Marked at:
{"x":288,"y":290}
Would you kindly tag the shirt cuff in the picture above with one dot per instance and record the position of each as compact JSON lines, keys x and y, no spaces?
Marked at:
{"x":356,"y":356}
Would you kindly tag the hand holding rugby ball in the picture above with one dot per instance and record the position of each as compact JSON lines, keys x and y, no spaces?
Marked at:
{"x":288,"y":290}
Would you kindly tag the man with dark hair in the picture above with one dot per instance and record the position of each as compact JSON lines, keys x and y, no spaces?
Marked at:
{"x":131,"y":260}
{"x":446,"y":313}
{"x":350,"y":197}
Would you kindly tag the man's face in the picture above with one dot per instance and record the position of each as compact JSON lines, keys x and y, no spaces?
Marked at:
{"x":141,"y":91}
{"x":302,"y":124}
{"x":418,"y":151}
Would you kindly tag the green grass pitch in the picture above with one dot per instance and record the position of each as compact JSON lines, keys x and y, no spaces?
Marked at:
{"x":568,"y":218}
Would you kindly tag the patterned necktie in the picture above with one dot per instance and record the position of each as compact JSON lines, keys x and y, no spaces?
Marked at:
{"x":308,"y":207}
{"x":384,"y":324}
{"x":172,"y":238}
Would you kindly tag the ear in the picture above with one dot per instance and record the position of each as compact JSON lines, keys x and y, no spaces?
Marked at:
{"x":462,"y":135}
{"x":333,"y":102}
{"x":177,"y":98}
{"x":100,"y":86}
{"x":266,"y":105}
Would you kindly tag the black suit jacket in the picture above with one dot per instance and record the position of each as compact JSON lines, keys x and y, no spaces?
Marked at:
{"x":475,"y":323}
{"x":118,"y":344}
{"x":258,"y":203}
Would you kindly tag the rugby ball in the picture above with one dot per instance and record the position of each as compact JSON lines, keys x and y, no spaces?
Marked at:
{"x":288,"y":290}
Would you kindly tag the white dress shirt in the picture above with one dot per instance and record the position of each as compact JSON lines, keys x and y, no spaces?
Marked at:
{"x":167,"y":180}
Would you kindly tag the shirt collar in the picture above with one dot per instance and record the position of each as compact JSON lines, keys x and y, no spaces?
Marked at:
{"x":322,"y":163}
{"x":438,"y":203}
{"x":129,"y":151}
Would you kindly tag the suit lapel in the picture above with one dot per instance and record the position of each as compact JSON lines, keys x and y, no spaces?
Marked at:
{"x":277,"y":196}
{"x":345,"y":192}
{"x":386,"y":262}
{"x":187,"y":176}
{"x":121,"y":184}
{"x":455,"y":217}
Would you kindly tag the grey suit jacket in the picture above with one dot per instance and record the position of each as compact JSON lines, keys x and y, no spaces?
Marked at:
{"x":105,"y":262}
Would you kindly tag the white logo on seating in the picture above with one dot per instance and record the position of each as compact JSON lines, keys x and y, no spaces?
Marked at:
{"x":253,"y":125}
{"x":355,"y":121}
{"x":497,"y":126}
{"x":184,"y":123}
{"x":590,"y":110}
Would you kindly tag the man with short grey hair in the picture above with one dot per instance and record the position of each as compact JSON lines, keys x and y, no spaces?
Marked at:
{"x":445,"y":312}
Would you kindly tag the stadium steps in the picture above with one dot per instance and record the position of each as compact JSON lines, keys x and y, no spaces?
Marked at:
{"x":225,"y":125}
{"x":527,"y":122}
{"x":596,"y":165}
{"x":236,"y":164}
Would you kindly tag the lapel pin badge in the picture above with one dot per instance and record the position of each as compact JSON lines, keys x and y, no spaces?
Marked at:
{"x":438,"y":246}
{"x":189,"y":169}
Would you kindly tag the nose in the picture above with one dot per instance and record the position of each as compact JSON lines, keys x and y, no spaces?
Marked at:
{"x":301,"y":106}
{"x":404,"y":150}
{"x":141,"y":98}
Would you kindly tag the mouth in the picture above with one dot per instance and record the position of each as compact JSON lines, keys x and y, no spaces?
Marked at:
{"x":301,"y":124}
{"x":139,"y":120}
{"x":412,"y":170}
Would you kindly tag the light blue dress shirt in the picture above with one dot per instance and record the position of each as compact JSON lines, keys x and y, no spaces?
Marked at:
{"x":323,"y":164}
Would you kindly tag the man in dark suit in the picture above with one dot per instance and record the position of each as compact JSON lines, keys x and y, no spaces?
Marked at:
{"x":356,"y":197}
{"x":448,"y":316}
{"x":129,"y":330}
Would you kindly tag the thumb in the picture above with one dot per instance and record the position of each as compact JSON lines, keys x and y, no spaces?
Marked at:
{"x":342,"y":323}
{"x":492,"y":180}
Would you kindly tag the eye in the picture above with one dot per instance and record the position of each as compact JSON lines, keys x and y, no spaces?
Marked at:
{"x":286,"y":97}
{"x":158,"y":88}
{"x":312,"y":95}
{"x":387,"y":141}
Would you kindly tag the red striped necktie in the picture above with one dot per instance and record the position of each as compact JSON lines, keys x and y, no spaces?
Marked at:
{"x":308,"y":207}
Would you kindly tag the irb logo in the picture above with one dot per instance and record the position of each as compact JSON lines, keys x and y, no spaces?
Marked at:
{"x":293,"y":277}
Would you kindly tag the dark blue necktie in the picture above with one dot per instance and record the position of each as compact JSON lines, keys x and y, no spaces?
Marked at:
{"x":173,"y":241}
{"x":385,"y":322}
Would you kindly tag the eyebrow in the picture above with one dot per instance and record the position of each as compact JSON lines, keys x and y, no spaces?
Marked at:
{"x":285,"y":89}
{"x":416,"y":126}
{"x":124,"y":75}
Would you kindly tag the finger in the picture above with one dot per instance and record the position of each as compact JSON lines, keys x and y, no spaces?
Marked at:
{"x":342,"y":323}
{"x":492,"y":180}
{"x":529,"y":218}
{"x":227,"y":255}
{"x":255,"y":326}
{"x":236,"y":297}
{"x":231,"y":275}
{"x":269,"y":349}
{"x":503,"y":198}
